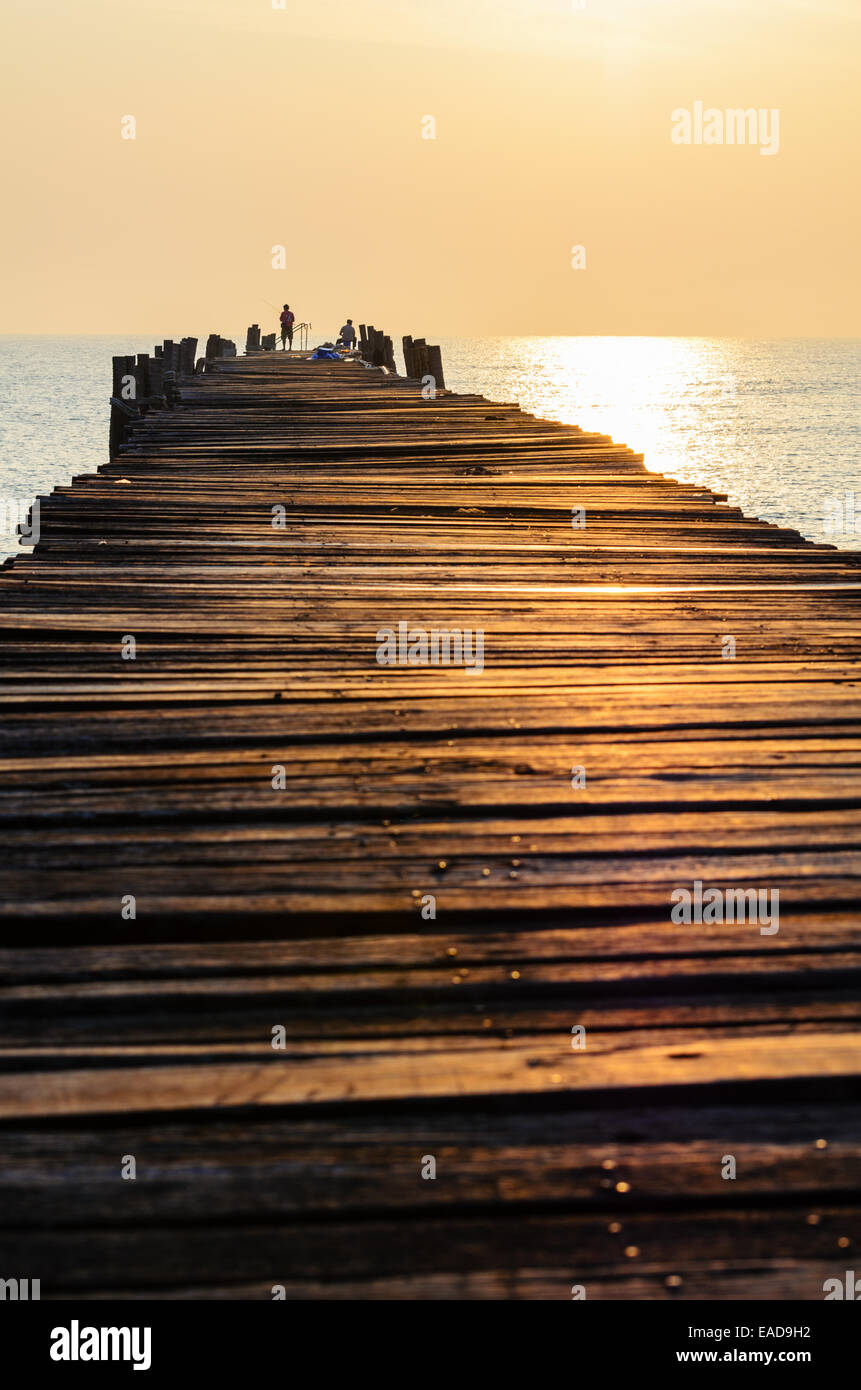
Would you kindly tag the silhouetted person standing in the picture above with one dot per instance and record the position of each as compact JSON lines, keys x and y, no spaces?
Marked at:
{"x":287,"y":320}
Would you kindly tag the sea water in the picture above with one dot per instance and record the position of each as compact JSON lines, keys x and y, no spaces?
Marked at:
{"x":776,"y":425}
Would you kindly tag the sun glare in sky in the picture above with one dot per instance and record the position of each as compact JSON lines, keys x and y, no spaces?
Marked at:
{"x":432,"y":165}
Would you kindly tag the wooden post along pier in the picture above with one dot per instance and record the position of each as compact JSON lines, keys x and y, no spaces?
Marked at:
{"x":364,"y":948}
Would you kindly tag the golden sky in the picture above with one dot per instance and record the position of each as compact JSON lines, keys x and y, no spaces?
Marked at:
{"x":259,"y":126}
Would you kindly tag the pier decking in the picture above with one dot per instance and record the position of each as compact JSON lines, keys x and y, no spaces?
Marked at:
{"x":249,"y":825}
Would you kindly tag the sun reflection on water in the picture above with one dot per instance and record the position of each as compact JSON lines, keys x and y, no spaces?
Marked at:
{"x":776,"y":425}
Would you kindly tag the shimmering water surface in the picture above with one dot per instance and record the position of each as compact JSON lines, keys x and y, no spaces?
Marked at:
{"x":54,"y":413}
{"x":776,"y":425}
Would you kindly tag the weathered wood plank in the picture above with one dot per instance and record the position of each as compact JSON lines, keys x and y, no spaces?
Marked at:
{"x":255,"y":646}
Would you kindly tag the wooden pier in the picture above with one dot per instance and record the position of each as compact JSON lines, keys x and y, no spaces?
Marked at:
{"x":295,"y":931}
